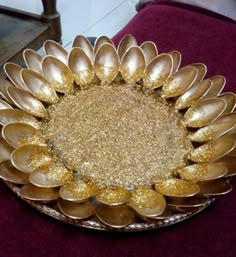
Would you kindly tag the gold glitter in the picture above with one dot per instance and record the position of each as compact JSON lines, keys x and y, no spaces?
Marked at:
{"x":79,"y":189}
{"x":204,"y":134}
{"x":110,"y":196}
{"x":40,"y":156}
{"x":203,"y":153}
{"x":46,"y":96}
{"x":66,"y":85}
{"x":57,"y":173}
{"x":106,"y":74}
{"x":36,"y":139}
{"x":195,"y":118}
{"x":131,"y":75}
{"x":202,"y":171}
{"x":194,"y":172}
{"x":36,"y":109}
{"x":176,"y":187}
{"x":171,"y":88}
{"x":186,"y":102}
{"x":145,"y":197}
{"x":152,"y":81}
{"x":83,"y":77}
{"x":116,"y":136}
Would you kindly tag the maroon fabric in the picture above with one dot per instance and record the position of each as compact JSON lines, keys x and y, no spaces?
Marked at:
{"x":24,"y":232}
{"x":200,"y":35}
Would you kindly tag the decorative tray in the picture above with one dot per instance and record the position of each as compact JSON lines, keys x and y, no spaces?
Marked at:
{"x":117,"y":139}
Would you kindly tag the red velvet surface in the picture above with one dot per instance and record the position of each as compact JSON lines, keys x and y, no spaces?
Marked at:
{"x":24,"y":232}
{"x":200,"y":35}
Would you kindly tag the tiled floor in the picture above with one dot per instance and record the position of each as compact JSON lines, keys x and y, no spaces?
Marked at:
{"x":87,"y":17}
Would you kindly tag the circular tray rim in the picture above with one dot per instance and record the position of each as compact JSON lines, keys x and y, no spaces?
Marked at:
{"x":95,"y":224}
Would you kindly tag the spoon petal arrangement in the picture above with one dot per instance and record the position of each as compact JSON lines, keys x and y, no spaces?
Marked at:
{"x":121,"y":139}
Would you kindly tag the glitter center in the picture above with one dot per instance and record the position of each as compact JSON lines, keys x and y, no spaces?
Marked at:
{"x":116,"y":135}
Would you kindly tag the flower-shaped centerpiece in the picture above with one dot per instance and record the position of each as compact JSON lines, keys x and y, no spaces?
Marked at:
{"x":116,"y":135}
